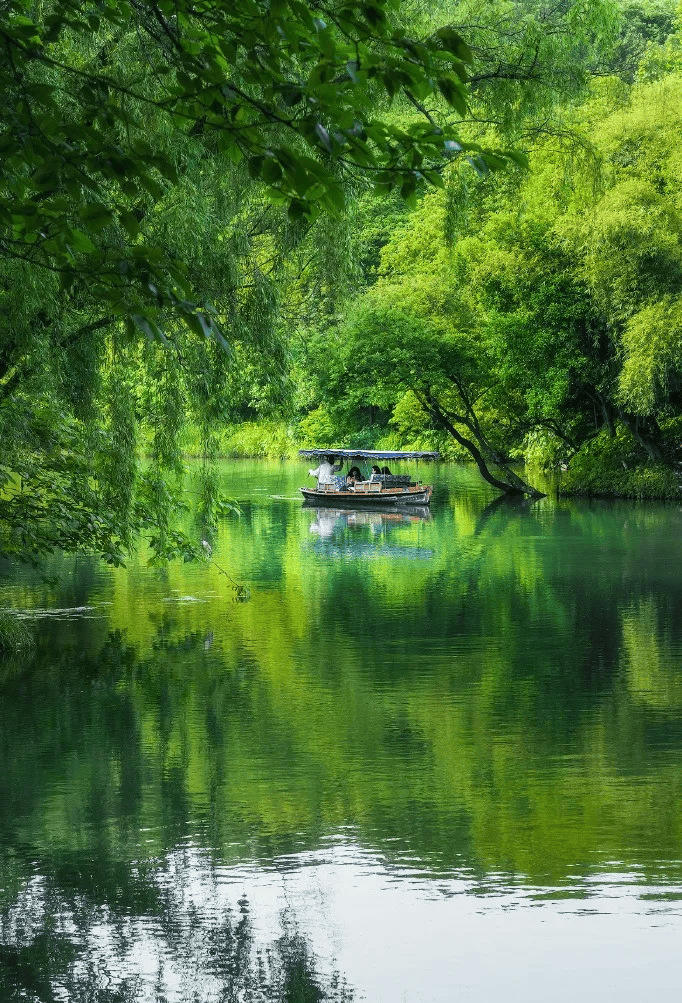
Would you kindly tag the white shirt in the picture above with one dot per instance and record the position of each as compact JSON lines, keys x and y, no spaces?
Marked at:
{"x":325,"y":472}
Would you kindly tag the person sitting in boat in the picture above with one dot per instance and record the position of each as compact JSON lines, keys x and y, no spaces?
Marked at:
{"x":376,"y":473}
{"x":354,"y":476}
{"x":326,"y":470}
{"x":385,"y":470}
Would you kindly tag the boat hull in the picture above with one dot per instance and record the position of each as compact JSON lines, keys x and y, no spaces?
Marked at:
{"x":415,"y":494}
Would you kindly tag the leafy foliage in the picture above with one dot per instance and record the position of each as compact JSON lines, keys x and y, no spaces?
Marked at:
{"x":612,"y":467}
{"x":534,"y":310}
{"x":184,"y":220}
{"x":159,"y":165}
{"x":260,"y":83}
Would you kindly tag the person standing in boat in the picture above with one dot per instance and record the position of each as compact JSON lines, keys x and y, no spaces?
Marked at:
{"x":326,"y":470}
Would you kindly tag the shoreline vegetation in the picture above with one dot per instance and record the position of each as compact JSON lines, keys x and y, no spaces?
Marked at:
{"x":605,"y":467}
{"x":611,"y":468}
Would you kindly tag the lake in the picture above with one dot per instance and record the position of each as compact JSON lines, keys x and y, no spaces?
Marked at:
{"x":353,"y":756}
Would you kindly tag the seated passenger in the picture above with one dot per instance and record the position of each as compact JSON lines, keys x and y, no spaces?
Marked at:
{"x":385,"y":470}
{"x":376,"y":473}
{"x":354,"y":476}
{"x":326,"y":470}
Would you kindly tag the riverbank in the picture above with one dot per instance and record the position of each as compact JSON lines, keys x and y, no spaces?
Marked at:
{"x":613,"y":467}
{"x":605,"y":467}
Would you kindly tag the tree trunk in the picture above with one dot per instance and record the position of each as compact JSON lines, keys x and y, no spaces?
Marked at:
{"x":608,"y":414}
{"x":647,"y":433}
{"x":514,"y":485}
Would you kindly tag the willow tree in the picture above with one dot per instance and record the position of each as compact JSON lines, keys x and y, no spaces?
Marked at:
{"x":579,"y":274}
{"x":158,"y":161}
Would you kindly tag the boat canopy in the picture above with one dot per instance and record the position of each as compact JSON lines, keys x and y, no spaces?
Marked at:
{"x":368,"y":454}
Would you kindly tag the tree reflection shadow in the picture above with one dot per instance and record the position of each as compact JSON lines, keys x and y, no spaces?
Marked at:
{"x":57,"y":946}
{"x":506,"y":505}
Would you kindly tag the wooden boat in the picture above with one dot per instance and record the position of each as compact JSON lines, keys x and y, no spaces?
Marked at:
{"x":382,"y":490}
{"x":361,"y":495}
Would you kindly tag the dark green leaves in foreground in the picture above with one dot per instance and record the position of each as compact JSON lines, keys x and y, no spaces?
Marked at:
{"x":288,"y":91}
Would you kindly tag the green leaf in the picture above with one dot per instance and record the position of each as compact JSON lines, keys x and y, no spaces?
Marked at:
{"x":324,"y":137}
{"x":297,"y":209}
{"x":231,"y":149}
{"x":453,"y":92}
{"x":373,"y":14}
{"x":451,"y":40}
{"x":255,"y":166}
{"x":80,"y":241}
{"x":335,"y":197}
{"x":149,"y":328}
{"x":96,"y":215}
{"x":129,"y":223}
{"x":272,"y":171}
{"x":517,"y":157}
{"x":434,"y":178}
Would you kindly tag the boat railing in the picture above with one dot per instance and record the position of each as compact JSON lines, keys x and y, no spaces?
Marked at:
{"x":362,"y":487}
{"x":394,"y":480}
{"x":376,"y":484}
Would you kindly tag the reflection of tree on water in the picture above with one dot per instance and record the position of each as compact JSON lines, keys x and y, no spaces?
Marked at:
{"x":443,"y":693}
{"x":505,"y":504}
{"x":501,"y":581}
{"x":59,"y":945}
{"x":80,"y":929}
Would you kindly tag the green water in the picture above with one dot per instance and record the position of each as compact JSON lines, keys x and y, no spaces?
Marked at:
{"x":428,"y":759}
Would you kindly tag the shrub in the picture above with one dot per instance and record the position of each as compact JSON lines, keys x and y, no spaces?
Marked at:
{"x":613,"y":467}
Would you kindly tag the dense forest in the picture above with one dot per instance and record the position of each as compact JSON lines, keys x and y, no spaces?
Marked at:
{"x":264,"y":224}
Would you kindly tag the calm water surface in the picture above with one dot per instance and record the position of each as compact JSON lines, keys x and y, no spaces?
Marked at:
{"x":429,"y":759}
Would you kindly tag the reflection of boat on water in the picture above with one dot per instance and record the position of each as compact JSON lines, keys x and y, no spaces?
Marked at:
{"x":384,"y":490}
{"x":376,"y":516}
{"x":371,"y":552}
{"x":335,"y":528}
